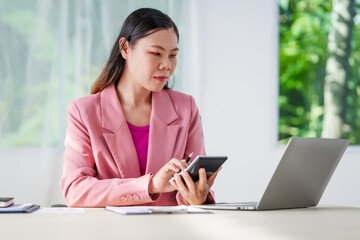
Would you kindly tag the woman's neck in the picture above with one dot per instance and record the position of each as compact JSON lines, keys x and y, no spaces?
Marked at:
{"x":132,"y":94}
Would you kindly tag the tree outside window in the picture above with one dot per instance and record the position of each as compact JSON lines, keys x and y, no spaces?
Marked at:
{"x":319,"y":69}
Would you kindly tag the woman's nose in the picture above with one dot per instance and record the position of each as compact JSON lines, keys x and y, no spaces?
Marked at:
{"x":165,"y":64}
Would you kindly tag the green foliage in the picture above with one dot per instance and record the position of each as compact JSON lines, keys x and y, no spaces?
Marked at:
{"x":304,"y":28}
{"x":30,"y":113}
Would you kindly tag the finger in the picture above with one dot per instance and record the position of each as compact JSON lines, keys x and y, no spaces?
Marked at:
{"x":170,"y":188}
{"x":172,"y":167}
{"x":180,"y":184}
{"x":211,"y":179}
{"x":189,"y":182}
{"x":180,"y":164}
{"x":218,"y":170}
{"x":202,"y":178}
{"x":173,"y":184}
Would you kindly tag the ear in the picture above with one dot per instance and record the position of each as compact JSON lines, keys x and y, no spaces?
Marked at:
{"x":123,"y":46}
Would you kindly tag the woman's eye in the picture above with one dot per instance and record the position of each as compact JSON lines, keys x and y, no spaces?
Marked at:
{"x":156,"y":53}
{"x":173,"y":55}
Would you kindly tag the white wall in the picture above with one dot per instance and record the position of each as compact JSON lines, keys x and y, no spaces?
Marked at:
{"x":31,"y":175}
{"x":238,"y":52}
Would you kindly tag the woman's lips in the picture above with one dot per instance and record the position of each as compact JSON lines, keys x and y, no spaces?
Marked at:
{"x":161,"y":78}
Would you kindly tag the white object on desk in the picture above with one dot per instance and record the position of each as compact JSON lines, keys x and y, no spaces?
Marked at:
{"x":155,"y":210}
{"x":60,"y":211}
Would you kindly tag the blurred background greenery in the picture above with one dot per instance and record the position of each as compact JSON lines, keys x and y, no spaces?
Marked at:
{"x":51,"y":53}
{"x":305,"y":62}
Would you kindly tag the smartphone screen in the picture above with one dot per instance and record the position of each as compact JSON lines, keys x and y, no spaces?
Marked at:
{"x":210,"y":163}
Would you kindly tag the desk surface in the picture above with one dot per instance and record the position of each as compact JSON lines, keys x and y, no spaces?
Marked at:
{"x":311,"y":223}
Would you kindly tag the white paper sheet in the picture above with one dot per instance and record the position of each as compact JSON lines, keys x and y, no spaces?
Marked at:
{"x":155,"y":210}
{"x":60,"y":211}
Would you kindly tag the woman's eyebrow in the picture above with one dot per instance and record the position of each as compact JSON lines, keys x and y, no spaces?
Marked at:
{"x":160,"y":47}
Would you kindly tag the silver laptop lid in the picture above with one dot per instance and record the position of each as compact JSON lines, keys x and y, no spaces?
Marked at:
{"x":303,"y":173}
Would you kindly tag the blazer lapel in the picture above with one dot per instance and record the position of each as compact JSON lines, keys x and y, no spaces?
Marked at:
{"x":118,"y":137}
{"x":163,"y":133}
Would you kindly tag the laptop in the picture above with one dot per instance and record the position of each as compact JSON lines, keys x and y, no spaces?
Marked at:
{"x":300,"y":178}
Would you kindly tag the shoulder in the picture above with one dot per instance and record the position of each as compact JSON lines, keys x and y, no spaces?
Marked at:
{"x":87,"y":100}
{"x":85,"y":104}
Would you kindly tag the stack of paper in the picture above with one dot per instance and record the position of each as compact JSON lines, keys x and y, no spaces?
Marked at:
{"x":155,"y":210}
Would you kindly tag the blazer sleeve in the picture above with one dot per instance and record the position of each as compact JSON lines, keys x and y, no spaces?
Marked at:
{"x":195,"y":144}
{"x":80,"y":185}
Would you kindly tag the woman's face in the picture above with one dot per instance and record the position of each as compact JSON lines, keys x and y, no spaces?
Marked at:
{"x":152,"y":60}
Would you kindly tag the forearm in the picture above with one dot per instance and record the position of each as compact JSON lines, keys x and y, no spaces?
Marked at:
{"x":84,"y":190}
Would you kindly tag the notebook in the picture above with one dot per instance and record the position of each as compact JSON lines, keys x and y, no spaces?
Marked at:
{"x":300,"y":178}
{"x":20,"y":208}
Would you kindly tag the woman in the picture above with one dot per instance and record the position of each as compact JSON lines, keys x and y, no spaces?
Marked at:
{"x":129,"y":138}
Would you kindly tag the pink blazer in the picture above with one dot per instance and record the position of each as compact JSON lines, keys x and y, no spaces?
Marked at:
{"x":101,"y":167}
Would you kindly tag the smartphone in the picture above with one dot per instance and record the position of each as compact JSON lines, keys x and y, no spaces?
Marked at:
{"x":210,"y":163}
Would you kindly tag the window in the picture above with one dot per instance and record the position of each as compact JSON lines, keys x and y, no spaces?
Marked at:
{"x":319,"y":69}
{"x":51,"y":53}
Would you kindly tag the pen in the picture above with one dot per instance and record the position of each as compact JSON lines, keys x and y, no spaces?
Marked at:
{"x":189,"y":157}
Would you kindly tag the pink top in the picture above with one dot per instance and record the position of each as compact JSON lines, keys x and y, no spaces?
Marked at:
{"x":140,"y":136}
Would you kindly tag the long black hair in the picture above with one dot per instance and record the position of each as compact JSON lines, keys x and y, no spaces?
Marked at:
{"x":138,"y":24}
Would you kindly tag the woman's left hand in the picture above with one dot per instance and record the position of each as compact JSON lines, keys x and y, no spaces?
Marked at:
{"x":195,"y":193}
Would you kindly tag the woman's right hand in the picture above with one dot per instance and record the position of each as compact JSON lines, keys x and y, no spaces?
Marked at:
{"x":160,"y":182}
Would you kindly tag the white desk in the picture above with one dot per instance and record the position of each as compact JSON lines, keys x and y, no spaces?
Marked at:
{"x":312,"y":223}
